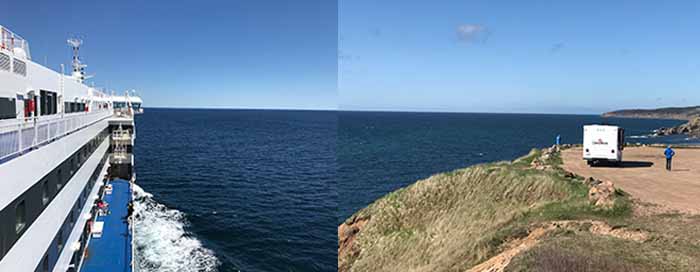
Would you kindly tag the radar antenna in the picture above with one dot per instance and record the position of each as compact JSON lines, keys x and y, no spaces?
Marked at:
{"x":78,"y":66}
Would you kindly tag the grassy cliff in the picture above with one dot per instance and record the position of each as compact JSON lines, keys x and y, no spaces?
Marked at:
{"x":506,"y":214}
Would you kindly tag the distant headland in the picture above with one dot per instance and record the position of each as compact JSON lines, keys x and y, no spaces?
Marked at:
{"x":679,"y":113}
{"x":692,"y":114}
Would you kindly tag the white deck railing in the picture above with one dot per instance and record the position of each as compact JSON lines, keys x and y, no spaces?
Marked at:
{"x":20,"y":135}
{"x":13,"y":42}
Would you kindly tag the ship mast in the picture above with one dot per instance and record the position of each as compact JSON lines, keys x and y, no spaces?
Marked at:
{"x":78,"y":66}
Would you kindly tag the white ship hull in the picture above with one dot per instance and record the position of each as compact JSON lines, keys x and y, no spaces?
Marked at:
{"x":55,"y":151}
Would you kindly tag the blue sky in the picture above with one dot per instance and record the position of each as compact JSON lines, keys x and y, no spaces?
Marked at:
{"x":473,"y":56}
{"x":231,"y":54}
{"x":518,"y":56}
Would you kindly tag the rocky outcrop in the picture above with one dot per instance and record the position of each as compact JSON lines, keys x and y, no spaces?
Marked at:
{"x":692,"y":128}
{"x":601,"y":193}
{"x":542,"y":162}
{"x":347,"y":234}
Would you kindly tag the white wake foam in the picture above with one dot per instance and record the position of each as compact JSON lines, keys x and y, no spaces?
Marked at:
{"x":642,"y":136}
{"x":161,"y":242}
{"x":639,"y":136}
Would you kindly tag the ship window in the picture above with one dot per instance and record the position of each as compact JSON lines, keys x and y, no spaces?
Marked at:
{"x":53,"y":103}
{"x":36,"y":105}
{"x":60,"y":240}
{"x":19,"y":67}
{"x":59,"y":179}
{"x":45,"y":192}
{"x":48,"y":102}
{"x":20,"y":217}
{"x":4,"y":62}
{"x":7,"y":108}
{"x":45,"y":264}
{"x":44,"y":103}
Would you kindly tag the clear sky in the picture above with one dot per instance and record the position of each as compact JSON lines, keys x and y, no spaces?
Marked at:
{"x":518,"y":56}
{"x":232,"y":54}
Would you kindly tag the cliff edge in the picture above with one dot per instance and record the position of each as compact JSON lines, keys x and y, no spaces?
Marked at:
{"x":524,"y":215}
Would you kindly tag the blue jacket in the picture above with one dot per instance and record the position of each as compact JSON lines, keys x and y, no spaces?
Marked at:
{"x":669,"y":153}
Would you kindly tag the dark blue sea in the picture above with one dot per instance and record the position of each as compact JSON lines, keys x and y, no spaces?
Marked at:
{"x":261,"y":190}
{"x":230,"y":190}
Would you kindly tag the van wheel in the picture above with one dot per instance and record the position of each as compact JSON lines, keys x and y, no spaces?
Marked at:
{"x":589,"y":162}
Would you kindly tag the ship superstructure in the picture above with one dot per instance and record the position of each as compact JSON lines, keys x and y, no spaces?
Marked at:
{"x":66,"y":167}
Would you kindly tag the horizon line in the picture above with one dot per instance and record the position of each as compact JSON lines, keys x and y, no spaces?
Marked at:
{"x":367,"y":110}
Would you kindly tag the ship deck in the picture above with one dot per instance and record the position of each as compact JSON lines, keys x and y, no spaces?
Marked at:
{"x":112,"y":251}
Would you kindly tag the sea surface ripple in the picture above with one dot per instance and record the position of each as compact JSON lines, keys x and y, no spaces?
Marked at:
{"x":236,"y":190}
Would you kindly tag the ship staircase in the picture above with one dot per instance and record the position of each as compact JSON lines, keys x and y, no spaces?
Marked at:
{"x":121,"y":158}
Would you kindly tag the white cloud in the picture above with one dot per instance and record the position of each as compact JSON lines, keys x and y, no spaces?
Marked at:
{"x":472,"y":33}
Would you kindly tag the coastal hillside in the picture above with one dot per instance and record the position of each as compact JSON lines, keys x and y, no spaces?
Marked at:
{"x":681,"y":113}
{"x":524,"y":215}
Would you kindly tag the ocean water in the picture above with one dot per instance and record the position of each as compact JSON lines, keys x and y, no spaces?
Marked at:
{"x":236,"y":190}
{"x":379,"y":152}
{"x":257,"y":190}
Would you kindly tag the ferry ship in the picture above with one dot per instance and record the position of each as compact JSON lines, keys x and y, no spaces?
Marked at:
{"x":66,"y":167}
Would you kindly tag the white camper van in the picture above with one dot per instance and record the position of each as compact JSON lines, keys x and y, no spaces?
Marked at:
{"x":603,"y":143}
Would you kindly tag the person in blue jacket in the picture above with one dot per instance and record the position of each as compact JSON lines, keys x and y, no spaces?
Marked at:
{"x":669,"y":156}
{"x":558,"y":140}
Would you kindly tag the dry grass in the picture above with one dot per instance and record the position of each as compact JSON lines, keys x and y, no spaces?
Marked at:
{"x":551,"y":259}
{"x":580,"y":252}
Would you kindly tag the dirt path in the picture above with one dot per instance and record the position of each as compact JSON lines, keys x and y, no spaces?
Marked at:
{"x":644,"y":176}
{"x":499,"y":262}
